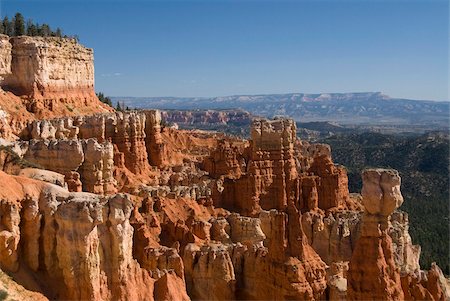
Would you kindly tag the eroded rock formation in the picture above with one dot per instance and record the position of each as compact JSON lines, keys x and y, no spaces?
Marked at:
{"x":372,"y":272}
{"x":80,"y":244}
{"x":171,"y":214}
{"x":204,"y":216}
{"x":380,"y":269}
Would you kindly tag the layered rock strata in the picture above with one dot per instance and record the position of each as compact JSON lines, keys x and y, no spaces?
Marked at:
{"x":45,"y":77}
{"x":234,"y":262}
{"x":137,"y":135}
{"x":50,"y":68}
{"x":92,"y":161}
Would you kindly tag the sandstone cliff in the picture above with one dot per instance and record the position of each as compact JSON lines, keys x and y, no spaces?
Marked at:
{"x":45,"y":77}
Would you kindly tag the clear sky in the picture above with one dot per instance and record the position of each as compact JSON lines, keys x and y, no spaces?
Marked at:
{"x":214,"y":48}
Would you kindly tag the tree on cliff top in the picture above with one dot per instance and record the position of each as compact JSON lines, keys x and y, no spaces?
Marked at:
{"x":7,"y":26}
{"x":19,"y":25}
{"x":104,"y":99}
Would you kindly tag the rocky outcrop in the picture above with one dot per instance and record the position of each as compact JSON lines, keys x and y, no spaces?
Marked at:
{"x":45,"y":77}
{"x":129,"y":137}
{"x":156,"y":151}
{"x":97,"y":168}
{"x":337,"y":281}
{"x":80,"y":245}
{"x":133,"y":136}
{"x":277,"y":167}
{"x":270,"y":171}
{"x":372,"y":272}
{"x":406,"y":255}
{"x":44,"y":175}
{"x":334,"y":236}
{"x":254,"y":247}
{"x":51,"y":68}
{"x":5,"y":55}
{"x":92,"y":161}
{"x":333,"y":184}
{"x":226,"y":159}
{"x":61,"y":156}
{"x":427,"y":285}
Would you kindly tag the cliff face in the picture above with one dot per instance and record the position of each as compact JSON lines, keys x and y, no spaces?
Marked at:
{"x":45,"y":77}
{"x":50,"y":68}
{"x":5,"y":55}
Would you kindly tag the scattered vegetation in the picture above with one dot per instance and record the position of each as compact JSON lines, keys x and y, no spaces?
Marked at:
{"x":69,"y":108}
{"x":104,"y":99}
{"x":121,"y":107}
{"x":423,"y":163}
{"x":17,"y":26}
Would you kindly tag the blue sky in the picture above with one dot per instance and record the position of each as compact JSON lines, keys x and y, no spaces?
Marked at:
{"x":213,"y":48}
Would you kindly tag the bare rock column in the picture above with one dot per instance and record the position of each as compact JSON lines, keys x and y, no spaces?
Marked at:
{"x":372,"y":273}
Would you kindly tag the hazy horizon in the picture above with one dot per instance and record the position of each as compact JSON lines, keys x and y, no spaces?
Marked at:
{"x":222,"y":48}
{"x":276,"y":93}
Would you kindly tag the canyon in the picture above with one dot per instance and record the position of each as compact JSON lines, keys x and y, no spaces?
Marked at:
{"x":105,"y":205}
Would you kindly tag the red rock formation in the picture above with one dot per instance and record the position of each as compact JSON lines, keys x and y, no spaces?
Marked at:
{"x":80,"y":245}
{"x":73,"y":181}
{"x":276,"y":167}
{"x":274,"y":246}
{"x":309,"y":198}
{"x":156,"y":149}
{"x":270,"y":171}
{"x":130,"y":140}
{"x":171,"y":239}
{"x":333,"y":183}
{"x":429,"y":285}
{"x":226,"y":159}
{"x":93,"y":162}
{"x":372,"y":273}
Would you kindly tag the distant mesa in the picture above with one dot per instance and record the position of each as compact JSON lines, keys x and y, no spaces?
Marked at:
{"x":345,"y":108}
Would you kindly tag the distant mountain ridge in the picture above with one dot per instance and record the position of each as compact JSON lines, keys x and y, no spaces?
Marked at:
{"x":345,"y":108}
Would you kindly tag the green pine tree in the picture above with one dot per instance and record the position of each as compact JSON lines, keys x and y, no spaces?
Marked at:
{"x":58,"y":32}
{"x":19,"y":25}
{"x":118,"y":107}
{"x":32,"y":29}
{"x":7,"y":25}
{"x":45,"y":30}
